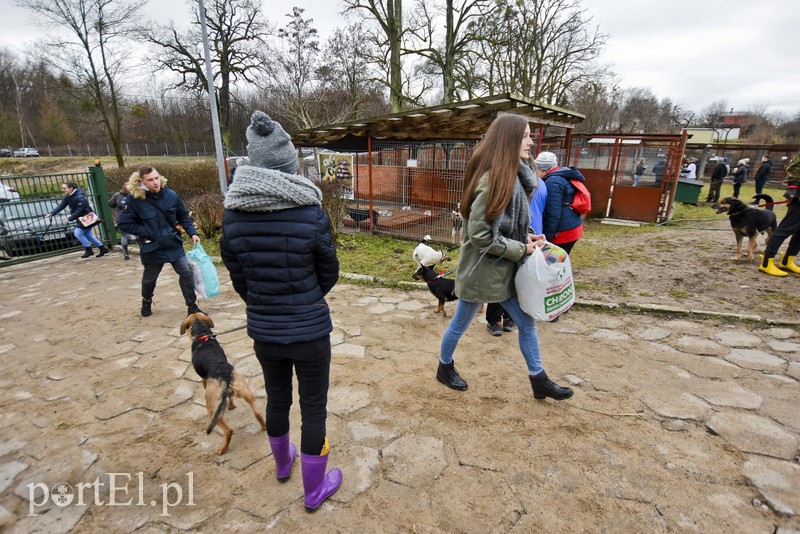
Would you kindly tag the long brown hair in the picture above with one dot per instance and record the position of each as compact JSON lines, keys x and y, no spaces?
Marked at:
{"x":498,"y":154}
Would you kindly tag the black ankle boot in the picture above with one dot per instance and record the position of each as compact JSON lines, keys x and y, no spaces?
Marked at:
{"x":447,"y":375}
{"x":125,"y":251}
{"x":103,"y":251}
{"x":146,"y":307}
{"x":87,"y":252}
{"x":543,"y":387}
{"x":194,"y":308}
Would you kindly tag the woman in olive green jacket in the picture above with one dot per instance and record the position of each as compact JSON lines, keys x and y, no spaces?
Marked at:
{"x":496,"y":237}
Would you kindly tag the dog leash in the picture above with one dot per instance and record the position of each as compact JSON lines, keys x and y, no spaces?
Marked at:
{"x":770,"y":204}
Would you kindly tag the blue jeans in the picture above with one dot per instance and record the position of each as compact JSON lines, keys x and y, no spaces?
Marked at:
{"x":86,"y":237}
{"x":528,"y":340}
{"x":185,"y":279}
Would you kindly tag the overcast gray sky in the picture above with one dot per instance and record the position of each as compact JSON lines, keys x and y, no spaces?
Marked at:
{"x":693,"y":51}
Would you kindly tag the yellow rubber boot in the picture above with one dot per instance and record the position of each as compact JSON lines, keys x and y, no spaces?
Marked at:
{"x":771,"y":269}
{"x":788,"y":264}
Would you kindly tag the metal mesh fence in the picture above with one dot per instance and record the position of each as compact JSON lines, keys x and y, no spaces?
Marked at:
{"x":414,"y":190}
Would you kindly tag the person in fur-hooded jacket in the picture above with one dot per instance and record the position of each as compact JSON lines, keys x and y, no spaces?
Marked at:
{"x":277,"y":245}
{"x":152,"y":215}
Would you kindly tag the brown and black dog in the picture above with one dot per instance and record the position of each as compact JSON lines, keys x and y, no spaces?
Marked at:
{"x":221,"y":382}
{"x":442,"y":288}
{"x":748,"y":222}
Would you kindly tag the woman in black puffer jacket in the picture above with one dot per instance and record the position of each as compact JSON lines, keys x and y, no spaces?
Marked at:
{"x":276,"y":243}
{"x":75,"y":199}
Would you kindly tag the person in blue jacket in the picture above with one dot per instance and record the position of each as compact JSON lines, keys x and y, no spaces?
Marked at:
{"x":75,"y":198}
{"x":561,"y":225}
{"x":277,"y":245}
{"x":152,"y":214}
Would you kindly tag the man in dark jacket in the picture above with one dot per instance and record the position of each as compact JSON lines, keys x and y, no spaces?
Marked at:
{"x":152,"y":215}
{"x":277,"y":245}
{"x":762,"y":175}
{"x":717,"y":177}
{"x":561,"y":225}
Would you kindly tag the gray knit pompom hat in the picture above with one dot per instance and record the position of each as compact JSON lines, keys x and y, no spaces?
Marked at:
{"x":269,"y":146}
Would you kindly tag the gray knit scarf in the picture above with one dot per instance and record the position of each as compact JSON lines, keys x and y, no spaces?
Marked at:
{"x":515,"y":221}
{"x":266,"y":190}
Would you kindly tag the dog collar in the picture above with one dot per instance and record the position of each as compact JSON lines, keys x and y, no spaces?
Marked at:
{"x":204,"y":337}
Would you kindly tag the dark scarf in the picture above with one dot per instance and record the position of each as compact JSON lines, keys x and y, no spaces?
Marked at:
{"x":515,"y":221}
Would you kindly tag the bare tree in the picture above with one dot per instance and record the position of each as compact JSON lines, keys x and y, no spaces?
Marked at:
{"x":237,"y":35}
{"x":445,"y":54}
{"x":388,"y":14}
{"x":352,"y":88}
{"x":599,"y":102}
{"x":540,"y":49}
{"x":90,"y":57}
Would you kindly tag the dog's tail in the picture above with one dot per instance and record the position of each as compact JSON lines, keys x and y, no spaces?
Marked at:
{"x":222,"y":407}
{"x":767,"y":199}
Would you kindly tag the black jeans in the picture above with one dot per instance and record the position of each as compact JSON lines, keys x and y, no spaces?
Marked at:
{"x":714,"y":190}
{"x":312,"y":361}
{"x":789,"y":226}
{"x":185,"y":279}
{"x":495,"y":312}
{"x":736,"y":188}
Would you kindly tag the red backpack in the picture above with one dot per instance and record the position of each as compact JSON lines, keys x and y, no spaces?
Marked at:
{"x":582,"y":201}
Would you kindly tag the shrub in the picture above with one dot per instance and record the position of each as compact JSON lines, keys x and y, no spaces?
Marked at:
{"x":334,"y":202}
{"x":207,"y":213}
{"x":187,"y":178}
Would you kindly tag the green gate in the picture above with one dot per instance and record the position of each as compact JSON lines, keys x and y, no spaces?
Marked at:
{"x":27,"y":234}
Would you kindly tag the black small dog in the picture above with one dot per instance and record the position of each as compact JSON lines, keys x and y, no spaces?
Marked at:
{"x":748,"y":221}
{"x":442,"y":288}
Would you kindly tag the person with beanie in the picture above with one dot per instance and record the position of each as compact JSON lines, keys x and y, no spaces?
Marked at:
{"x":152,"y":214}
{"x":789,"y":227}
{"x":496,"y":237}
{"x":75,"y":198}
{"x":561,"y":225}
{"x":277,"y":246}
{"x":740,"y":176}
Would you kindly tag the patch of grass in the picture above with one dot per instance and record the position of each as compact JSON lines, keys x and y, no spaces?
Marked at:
{"x":679,"y":294}
{"x":383,"y":257}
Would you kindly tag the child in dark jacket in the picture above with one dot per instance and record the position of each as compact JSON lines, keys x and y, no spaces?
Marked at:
{"x":561,"y":225}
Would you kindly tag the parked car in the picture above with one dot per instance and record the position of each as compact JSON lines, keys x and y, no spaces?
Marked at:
{"x":26,"y":152}
{"x":5,"y":153}
{"x":26,"y":229}
{"x":7,"y":193}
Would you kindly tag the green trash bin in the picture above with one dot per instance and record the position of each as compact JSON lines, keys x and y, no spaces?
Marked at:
{"x":688,"y":191}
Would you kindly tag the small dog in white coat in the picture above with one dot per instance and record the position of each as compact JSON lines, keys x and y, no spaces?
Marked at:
{"x":426,"y":255}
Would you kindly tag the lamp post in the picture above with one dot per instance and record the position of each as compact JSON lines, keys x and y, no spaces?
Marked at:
{"x":212,"y":102}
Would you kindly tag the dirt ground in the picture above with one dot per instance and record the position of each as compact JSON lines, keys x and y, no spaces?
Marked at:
{"x":680,"y":422}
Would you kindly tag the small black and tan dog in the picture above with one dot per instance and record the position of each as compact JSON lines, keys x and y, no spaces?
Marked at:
{"x":442,"y":288}
{"x":221,"y":382}
{"x":747,"y":221}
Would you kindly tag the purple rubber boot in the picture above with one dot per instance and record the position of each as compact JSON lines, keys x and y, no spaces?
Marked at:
{"x":284,"y":453}
{"x":318,"y":485}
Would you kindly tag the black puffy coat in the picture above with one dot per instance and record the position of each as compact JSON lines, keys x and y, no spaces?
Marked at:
{"x":159,"y":240}
{"x":282,"y":263}
{"x":78,"y":205}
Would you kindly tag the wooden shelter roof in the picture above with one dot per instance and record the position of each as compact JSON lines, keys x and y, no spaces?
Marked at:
{"x":458,"y":120}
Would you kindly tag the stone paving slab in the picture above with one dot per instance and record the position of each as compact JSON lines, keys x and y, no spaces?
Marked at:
{"x":634,"y":449}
